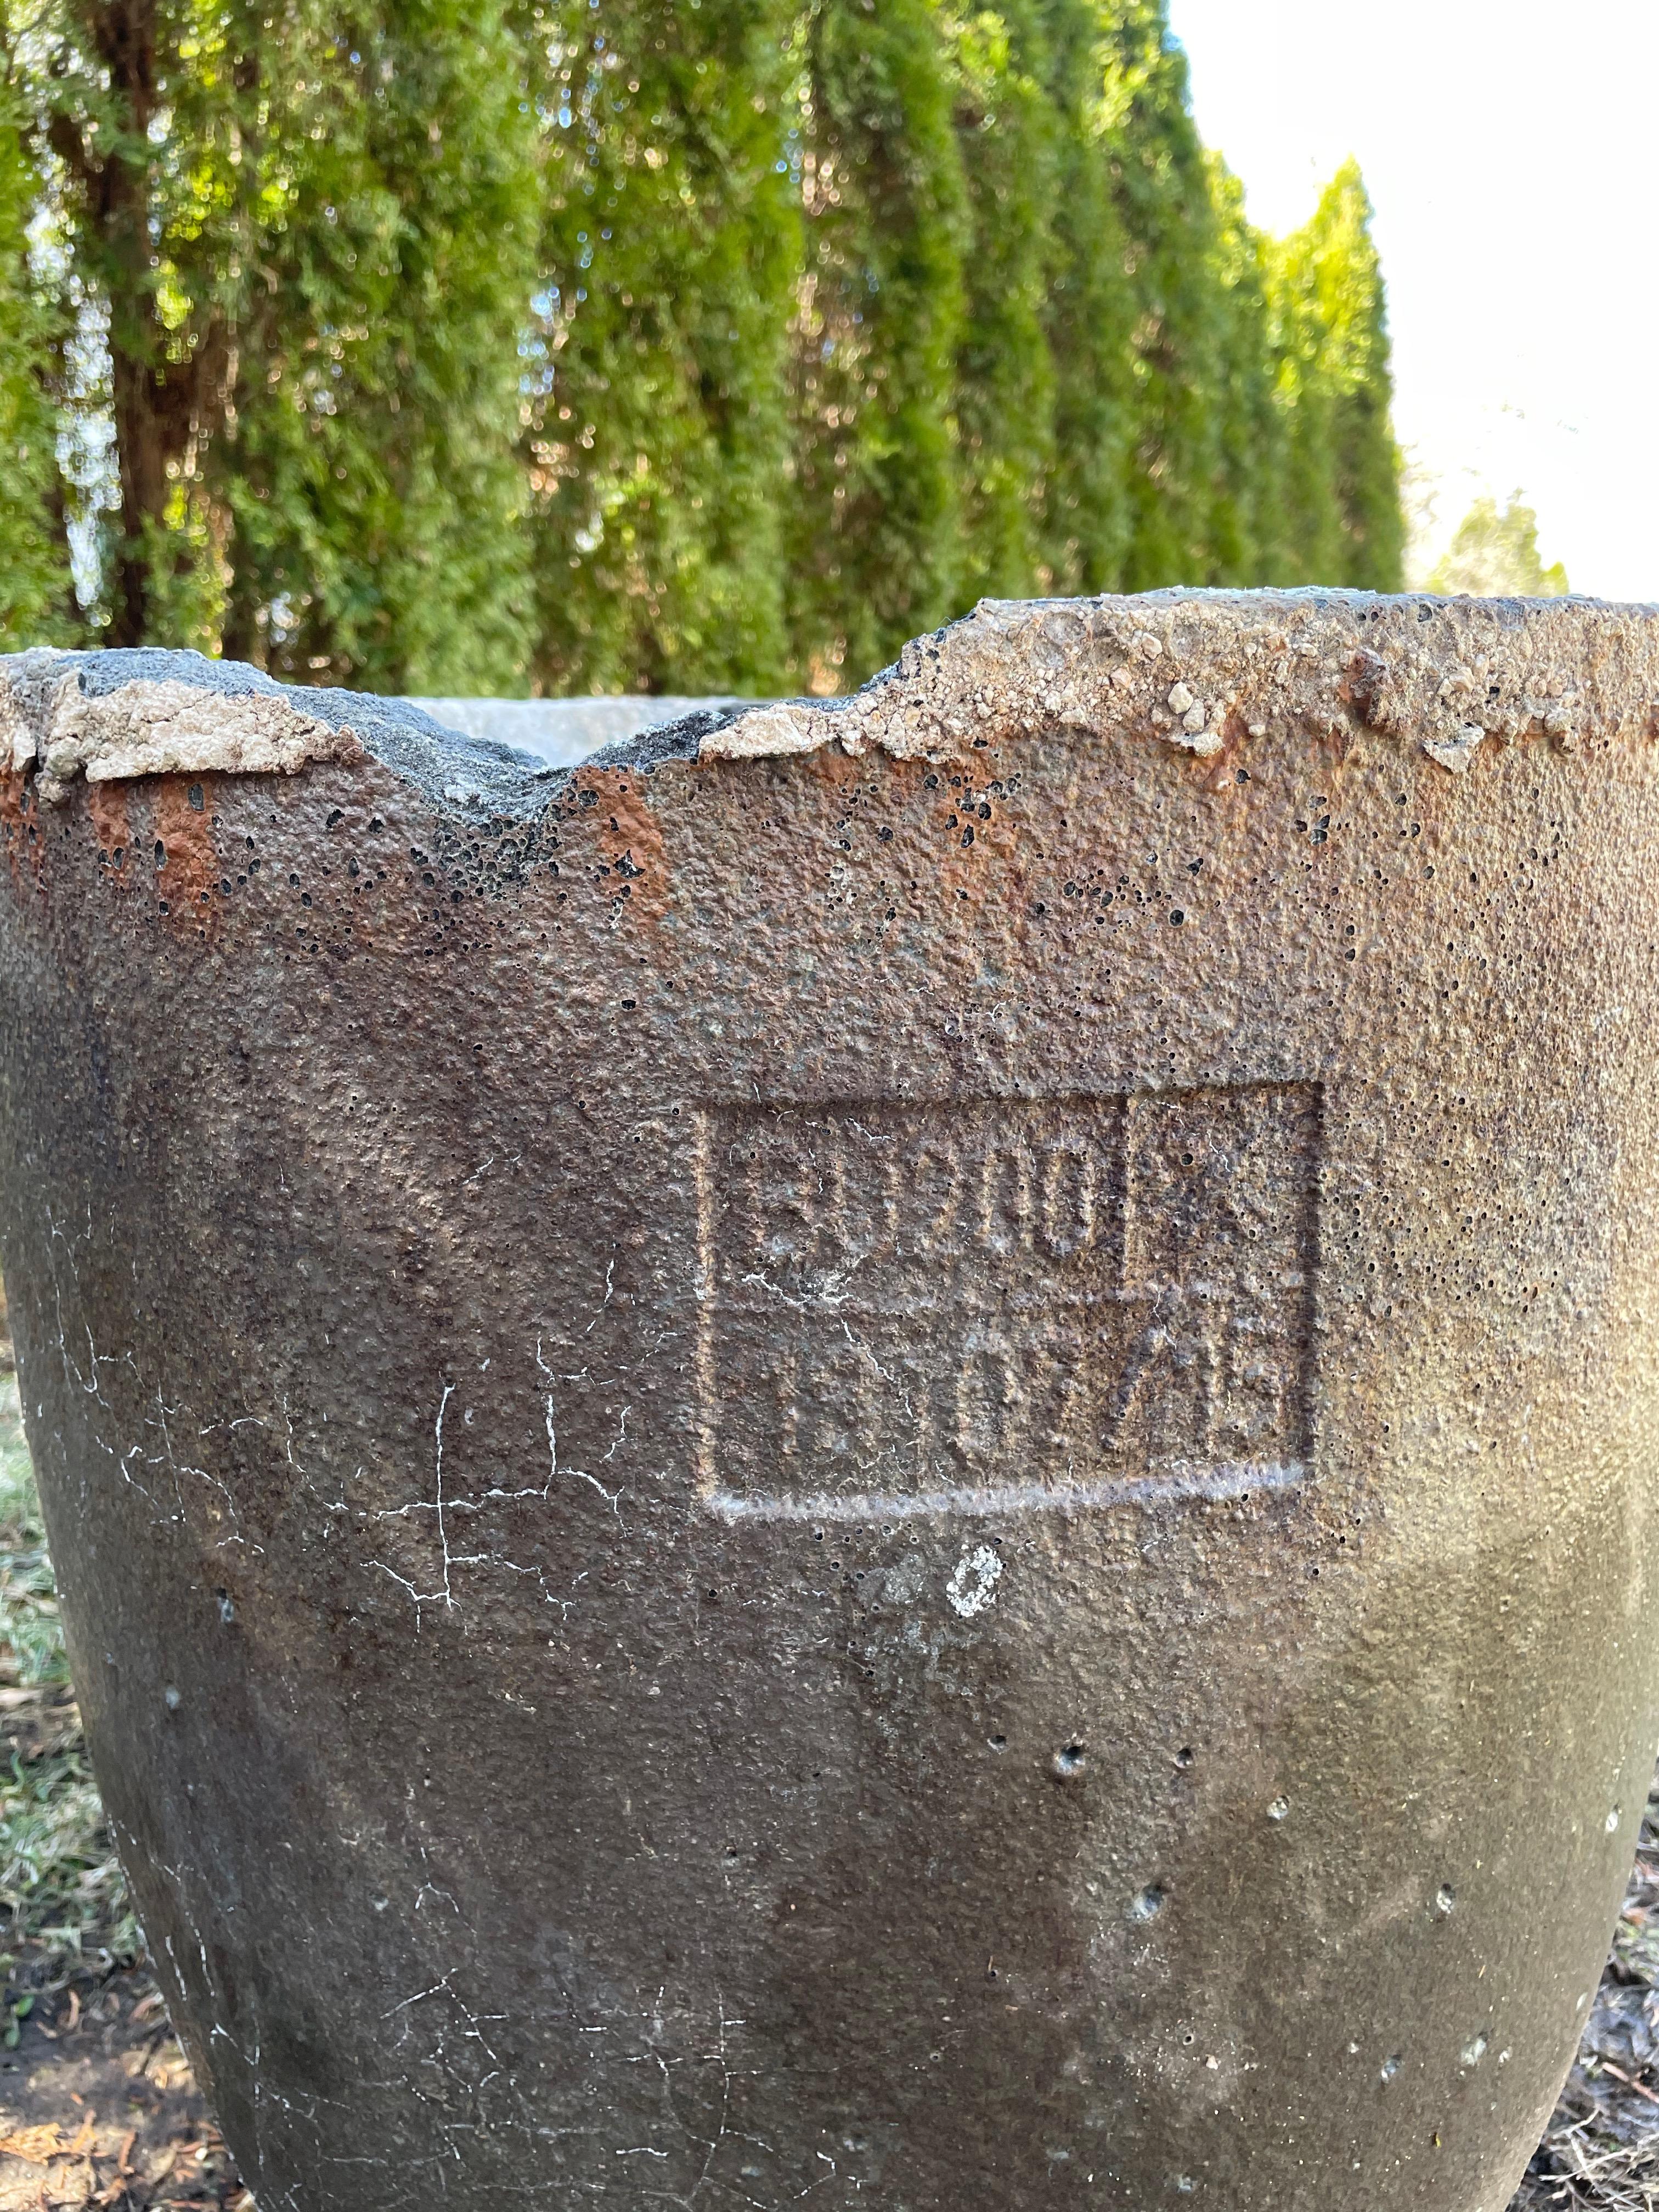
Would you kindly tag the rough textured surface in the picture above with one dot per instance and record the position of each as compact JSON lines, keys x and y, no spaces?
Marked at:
{"x":907,"y":1469}
{"x":118,"y":716}
{"x":563,"y":731}
{"x":1199,"y":669}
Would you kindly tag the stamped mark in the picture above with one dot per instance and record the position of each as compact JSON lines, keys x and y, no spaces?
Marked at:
{"x":1005,"y":1303}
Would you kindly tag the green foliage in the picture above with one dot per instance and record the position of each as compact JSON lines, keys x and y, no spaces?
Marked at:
{"x":1495,"y":555}
{"x":375,"y":505}
{"x":61,"y":1884}
{"x":1163,"y":185}
{"x":137,"y":122}
{"x":1248,"y":529}
{"x":30,"y":1630}
{"x":875,"y":523}
{"x":1007,"y":134}
{"x":1336,"y":384}
{"x":34,"y":553}
{"x":312,"y":250}
{"x":658,"y":439}
{"x":1089,"y":318}
{"x":591,"y":344}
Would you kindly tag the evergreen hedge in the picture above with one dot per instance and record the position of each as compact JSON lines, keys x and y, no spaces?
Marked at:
{"x":670,"y":344}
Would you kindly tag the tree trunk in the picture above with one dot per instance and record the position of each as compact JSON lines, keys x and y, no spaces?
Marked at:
{"x":125,"y":37}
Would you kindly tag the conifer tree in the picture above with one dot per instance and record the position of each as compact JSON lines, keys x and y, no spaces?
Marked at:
{"x":34,"y":581}
{"x":658,"y":443}
{"x":1367,"y":456}
{"x":1089,"y":314}
{"x":874,"y":542}
{"x":134,"y":111}
{"x":1005,"y":381}
{"x":308,"y":251}
{"x":605,"y":344}
{"x":1245,"y":523}
{"x":1343,"y":507}
{"x":377,"y":508}
{"x":1162,"y":187}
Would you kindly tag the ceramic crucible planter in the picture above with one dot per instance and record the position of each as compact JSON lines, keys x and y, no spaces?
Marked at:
{"x":898,"y":1454}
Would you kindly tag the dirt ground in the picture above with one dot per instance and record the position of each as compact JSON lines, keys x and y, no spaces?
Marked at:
{"x":98,"y":2108}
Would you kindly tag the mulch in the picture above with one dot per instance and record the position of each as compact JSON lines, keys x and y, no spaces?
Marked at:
{"x":1601,"y":2153}
{"x":98,"y":2107}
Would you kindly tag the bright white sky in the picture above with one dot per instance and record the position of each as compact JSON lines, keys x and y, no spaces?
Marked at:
{"x":1511,"y":148}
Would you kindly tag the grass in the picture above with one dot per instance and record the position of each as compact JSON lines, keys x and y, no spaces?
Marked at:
{"x":63,"y":1896}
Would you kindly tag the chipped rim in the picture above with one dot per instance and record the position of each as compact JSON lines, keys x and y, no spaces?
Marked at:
{"x":1196,"y":670}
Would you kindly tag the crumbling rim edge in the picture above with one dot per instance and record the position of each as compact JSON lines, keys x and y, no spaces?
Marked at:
{"x":906,"y":709}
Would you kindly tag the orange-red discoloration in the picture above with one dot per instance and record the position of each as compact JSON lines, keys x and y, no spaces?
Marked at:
{"x":974,"y":851}
{"x":106,"y":809}
{"x":630,"y":838}
{"x":19,"y":823}
{"x":186,"y":881}
{"x":1220,"y":771}
{"x":829,"y":765}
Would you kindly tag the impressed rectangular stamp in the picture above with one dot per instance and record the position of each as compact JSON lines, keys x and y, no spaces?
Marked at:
{"x":1005,"y":1302}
